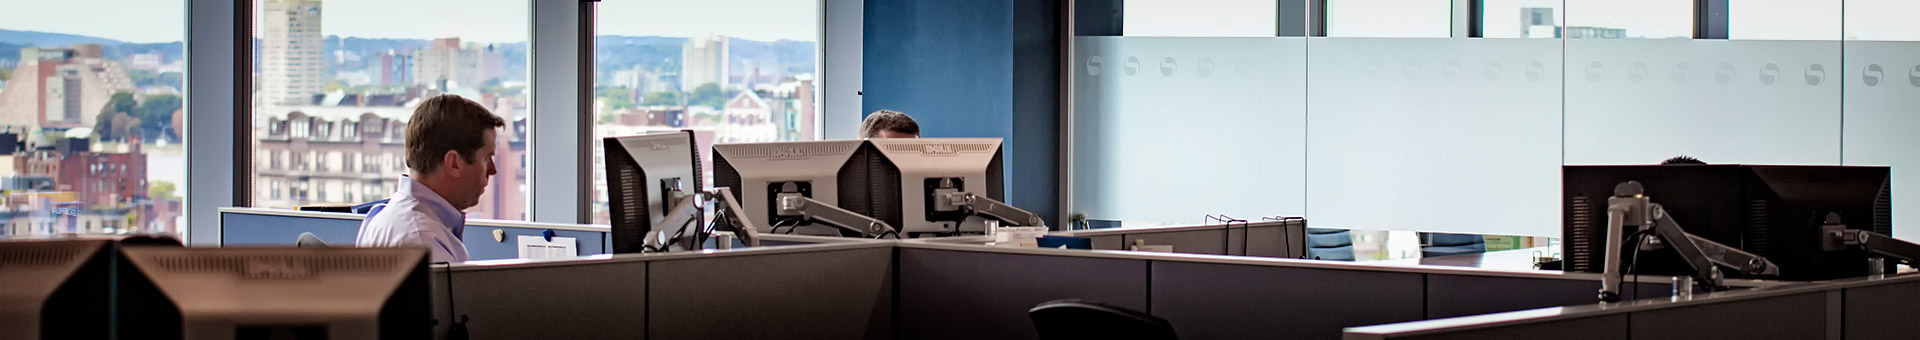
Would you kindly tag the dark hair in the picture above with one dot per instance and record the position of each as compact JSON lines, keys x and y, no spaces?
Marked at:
{"x":1683,"y":160}
{"x":888,"y":120}
{"x":447,"y":122}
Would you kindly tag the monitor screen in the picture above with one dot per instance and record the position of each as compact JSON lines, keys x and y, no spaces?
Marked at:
{"x":295,"y":293}
{"x":834,"y":172}
{"x":641,"y":171}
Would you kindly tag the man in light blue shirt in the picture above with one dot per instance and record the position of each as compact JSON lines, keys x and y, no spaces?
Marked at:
{"x":450,"y":145}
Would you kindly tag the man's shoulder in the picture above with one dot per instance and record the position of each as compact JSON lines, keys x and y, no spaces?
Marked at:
{"x":404,"y":216}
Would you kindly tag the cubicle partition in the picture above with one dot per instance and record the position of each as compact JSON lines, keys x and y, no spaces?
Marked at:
{"x":485,"y":239}
{"x":1856,"y":309}
{"x":1268,"y":239}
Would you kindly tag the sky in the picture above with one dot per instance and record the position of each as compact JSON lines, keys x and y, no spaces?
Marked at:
{"x":472,"y":20}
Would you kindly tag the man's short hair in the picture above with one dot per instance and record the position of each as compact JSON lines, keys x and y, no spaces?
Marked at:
{"x":1683,"y":160}
{"x":888,"y":120}
{"x":447,"y":122}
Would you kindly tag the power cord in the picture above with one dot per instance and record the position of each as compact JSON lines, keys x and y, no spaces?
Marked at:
{"x":896,"y":235}
{"x":457,"y":330}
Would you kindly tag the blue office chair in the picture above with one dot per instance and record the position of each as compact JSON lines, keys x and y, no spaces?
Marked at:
{"x":365,"y":208}
{"x":1075,"y":320}
{"x":1330,"y":244}
{"x":1442,"y":244}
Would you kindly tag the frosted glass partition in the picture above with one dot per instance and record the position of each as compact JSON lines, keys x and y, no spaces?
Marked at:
{"x":1167,"y":130}
{"x":1882,"y":105}
{"x":1753,"y":102}
{"x":1458,"y":135}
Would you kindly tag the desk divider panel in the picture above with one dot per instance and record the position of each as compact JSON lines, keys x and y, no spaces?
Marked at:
{"x":260,"y":229}
{"x":1462,"y":295}
{"x":1790,"y":317}
{"x":828,"y":294}
{"x":584,"y":300}
{"x":1226,"y":301}
{"x":948,"y":294}
{"x":1195,"y":241}
{"x":481,"y":246}
{"x":1882,"y":312}
{"x":1609,"y":327}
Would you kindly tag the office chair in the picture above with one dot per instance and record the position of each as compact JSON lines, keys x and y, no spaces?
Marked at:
{"x":1330,"y":244}
{"x":1075,"y":319}
{"x":1443,"y":244}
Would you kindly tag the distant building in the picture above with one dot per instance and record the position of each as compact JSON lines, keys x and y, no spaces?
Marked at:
{"x":747,"y":119}
{"x":1581,"y":32}
{"x":58,"y":88}
{"x":146,"y":61}
{"x":396,"y":68}
{"x":446,"y":64}
{"x":703,"y":60}
{"x":291,"y":47}
{"x":1537,"y":22}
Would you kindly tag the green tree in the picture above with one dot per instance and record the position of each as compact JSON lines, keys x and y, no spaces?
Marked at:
{"x":662,"y":98}
{"x":617,"y":97}
{"x":156,"y":114}
{"x":708,"y":95}
{"x":6,"y":73}
{"x":162,"y":190}
{"x":122,"y":102}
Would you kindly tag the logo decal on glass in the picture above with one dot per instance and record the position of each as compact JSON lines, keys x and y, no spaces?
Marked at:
{"x":1167,"y":66}
{"x":1595,"y":70}
{"x":1769,"y":73}
{"x":1638,"y":72}
{"x":1872,"y":75}
{"x":1723,"y":74}
{"x":1913,"y":75}
{"x":1093,"y":66}
{"x":1132,"y":66}
{"x":1534,"y":69}
{"x":1682,"y":71}
{"x":1816,"y":74}
{"x":1493,"y":70}
{"x":1206,"y":67}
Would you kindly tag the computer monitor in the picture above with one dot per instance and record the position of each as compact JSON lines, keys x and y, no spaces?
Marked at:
{"x":642,"y":172}
{"x":828,"y":171}
{"x":62,"y":288}
{"x":276,"y":293}
{"x":1772,"y":211}
{"x":917,"y":168}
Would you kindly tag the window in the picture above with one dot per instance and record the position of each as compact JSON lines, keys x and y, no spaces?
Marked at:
{"x":338,"y":85}
{"x":131,"y":53}
{"x":671,"y":65}
{"x":1390,"y":18}
{"x":1783,"y":20}
{"x":1522,"y":19}
{"x":1628,"y":19}
{"x":1176,"y":18}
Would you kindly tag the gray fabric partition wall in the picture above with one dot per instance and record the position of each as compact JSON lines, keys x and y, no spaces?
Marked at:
{"x":1223,"y":301}
{"x":1882,"y":312}
{"x":1791,"y":317}
{"x":585,"y":300}
{"x":972,"y":295}
{"x":1613,"y":327}
{"x":841,"y":294}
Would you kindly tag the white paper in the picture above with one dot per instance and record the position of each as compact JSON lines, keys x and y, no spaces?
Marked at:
{"x":535,"y":247}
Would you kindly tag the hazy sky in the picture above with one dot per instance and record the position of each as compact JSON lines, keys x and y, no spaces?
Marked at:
{"x":475,"y":20}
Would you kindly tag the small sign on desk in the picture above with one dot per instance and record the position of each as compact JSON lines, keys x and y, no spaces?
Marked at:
{"x":536,"y":247}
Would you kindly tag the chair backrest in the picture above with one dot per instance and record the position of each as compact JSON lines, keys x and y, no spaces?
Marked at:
{"x":1076,"y":319}
{"x":1330,"y":244}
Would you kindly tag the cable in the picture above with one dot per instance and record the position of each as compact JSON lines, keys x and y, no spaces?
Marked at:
{"x":896,"y":235}
{"x":1638,"y":238}
{"x":458,"y":329}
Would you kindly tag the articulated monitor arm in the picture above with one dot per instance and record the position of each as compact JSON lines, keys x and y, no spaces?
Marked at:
{"x":680,"y":223}
{"x":795,"y":204}
{"x":1834,"y":236}
{"x":729,"y":208}
{"x":1629,"y":207}
{"x":991,"y":208}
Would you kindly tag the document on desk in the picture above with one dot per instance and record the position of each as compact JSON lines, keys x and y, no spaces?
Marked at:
{"x":536,"y":247}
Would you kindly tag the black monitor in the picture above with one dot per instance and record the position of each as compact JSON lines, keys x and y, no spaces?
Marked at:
{"x":915,"y":169}
{"x":642,"y":171}
{"x":1772,"y":211}
{"x":834,"y":172}
{"x":276,"y":293}
{"x":62,"y":288}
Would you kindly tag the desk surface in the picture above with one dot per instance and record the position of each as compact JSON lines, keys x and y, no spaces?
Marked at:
{"x":1517,"y":259}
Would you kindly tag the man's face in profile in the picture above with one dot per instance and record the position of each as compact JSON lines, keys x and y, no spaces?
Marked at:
{"x":895,"y":134}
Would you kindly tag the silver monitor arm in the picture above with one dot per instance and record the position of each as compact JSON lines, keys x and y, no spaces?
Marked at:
{"x":1834,"y":236}
{"x":729,"y":209}
{"x":794,"y":204}
{"x":682,"y":221}
{"x":1630,"y":207}
{"x":982,"y":206}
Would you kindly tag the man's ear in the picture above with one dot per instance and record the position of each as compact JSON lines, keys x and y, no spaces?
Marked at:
{"x":452,"y":162}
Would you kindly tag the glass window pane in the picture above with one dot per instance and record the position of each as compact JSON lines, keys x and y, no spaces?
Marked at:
{"x":1783,"y":20}
{"x":733,"y":71}
{"x":1189,"y":18}
{"x":1390,"y":18}
{"x":94,"y":91}
{"x":1882,"y":20}
{"x":342,"y":77}
{"x":1522,"y":18}
{"x":1629,"y":19}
